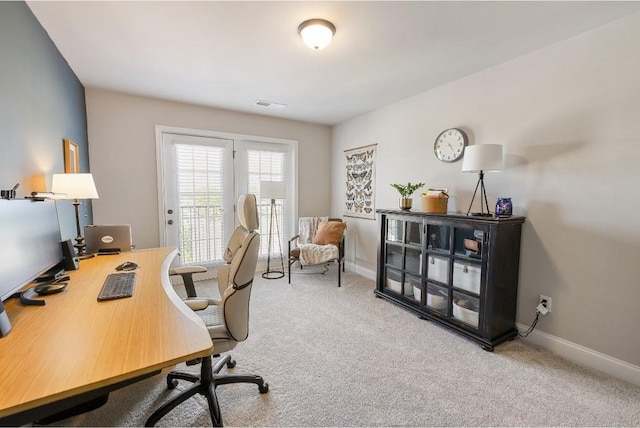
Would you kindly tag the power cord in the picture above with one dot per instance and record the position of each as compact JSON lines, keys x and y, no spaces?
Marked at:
{"x":533,"y":325}
{"x":543,"y":309}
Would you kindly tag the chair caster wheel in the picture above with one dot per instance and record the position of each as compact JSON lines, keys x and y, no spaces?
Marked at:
{"x":264,"y":388}
{"x":231,"y":363}
{"x":172,"y":383}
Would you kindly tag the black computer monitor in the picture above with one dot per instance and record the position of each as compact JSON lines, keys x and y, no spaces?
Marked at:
{"x":29,"y":242}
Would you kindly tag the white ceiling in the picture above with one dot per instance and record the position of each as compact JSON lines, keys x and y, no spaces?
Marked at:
{"x":230,"y":54}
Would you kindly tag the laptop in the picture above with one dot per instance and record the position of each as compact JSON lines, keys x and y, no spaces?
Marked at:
{"x":107,"y":238}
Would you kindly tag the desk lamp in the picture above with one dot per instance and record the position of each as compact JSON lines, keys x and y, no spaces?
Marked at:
{"x":75,"y":186}
{"x":482,"y":158}
{"x":273,"y":190}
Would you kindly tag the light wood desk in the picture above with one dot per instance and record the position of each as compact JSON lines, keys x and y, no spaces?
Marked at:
{"x":75,"y":346}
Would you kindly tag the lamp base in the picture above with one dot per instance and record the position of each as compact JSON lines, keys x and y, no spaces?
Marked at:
{"x":273,"y":275}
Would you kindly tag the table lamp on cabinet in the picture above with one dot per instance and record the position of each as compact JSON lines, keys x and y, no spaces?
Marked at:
{"x":75,"y":186}
{"x":482,"y":158}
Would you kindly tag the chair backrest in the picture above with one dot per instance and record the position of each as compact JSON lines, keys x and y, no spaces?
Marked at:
{"x":248,"y":218}
{"x":236,"y":296}
{"x":242,"y":269}
{"x":308,"y":226}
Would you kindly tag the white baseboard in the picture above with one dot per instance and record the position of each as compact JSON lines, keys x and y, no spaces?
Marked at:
{"x":370,"y":274}
{"x":584,"y":356}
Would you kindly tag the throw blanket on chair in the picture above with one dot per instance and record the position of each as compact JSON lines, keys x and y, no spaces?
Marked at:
{"x":312,"y":254}
{"x":307,"y":228}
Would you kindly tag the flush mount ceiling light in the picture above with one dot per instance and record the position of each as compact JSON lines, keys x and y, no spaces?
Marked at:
{"x":316,"y":33}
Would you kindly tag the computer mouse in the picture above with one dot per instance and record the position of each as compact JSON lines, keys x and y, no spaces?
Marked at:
{"x":44,"y":290}
{"x":127,"y":266}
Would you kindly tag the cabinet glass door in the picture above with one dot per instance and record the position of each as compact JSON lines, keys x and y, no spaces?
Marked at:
{"x":414,"y":235}
{"x":437,"y":298}
{"x":413,"y":287}
{"x":395,"y":230}
{"x":467,"y":276}
{"x":438,"y":269}
{"x":466,"y":309}
{"x":469,"y":243}
{"x":438,"y":238}
{"x":394,"y":255}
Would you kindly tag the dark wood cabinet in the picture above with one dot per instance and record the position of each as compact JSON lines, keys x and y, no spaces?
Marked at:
{"x":460,"y":271}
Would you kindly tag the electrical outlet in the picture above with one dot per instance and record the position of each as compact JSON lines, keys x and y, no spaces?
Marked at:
{"x":548,"y":302}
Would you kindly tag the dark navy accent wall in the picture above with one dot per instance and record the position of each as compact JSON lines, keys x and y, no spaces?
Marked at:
{"x":42,"y":102}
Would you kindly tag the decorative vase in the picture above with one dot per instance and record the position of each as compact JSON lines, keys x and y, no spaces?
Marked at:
{"x":504,"y":207}
{"x":405,"y":203}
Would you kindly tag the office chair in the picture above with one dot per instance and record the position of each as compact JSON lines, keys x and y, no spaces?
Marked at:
{"x":320,"y":240}
{"x":227,"y":319}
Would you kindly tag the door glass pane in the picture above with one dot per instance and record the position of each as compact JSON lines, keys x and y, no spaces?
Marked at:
{"x":395,"y":230}
{"x":469,"y":242}
{"x":200,"y":184}
{"x":268,"y":165}
{"x":413,"y":233}
{"x":438,"y":269}
{"x":414,"y":283}
{"x":437,"y":298}
{"x":394,"y":255}
{"x":438,"y":238}
{"x":413,"y":260}
{"x":394,"y":281}
{"x":466,"y":309}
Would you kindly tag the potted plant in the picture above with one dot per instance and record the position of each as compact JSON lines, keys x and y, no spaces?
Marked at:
{"x":405,"y":194}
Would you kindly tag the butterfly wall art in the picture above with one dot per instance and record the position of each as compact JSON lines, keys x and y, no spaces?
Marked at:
{"x":360,"y":182}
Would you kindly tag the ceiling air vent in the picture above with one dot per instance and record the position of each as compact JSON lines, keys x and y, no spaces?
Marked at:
{"x":270,"y":104}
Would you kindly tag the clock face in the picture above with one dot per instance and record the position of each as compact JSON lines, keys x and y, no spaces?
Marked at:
{"x":450,"y":144}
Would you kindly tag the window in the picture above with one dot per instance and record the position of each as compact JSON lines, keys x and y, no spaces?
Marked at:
{"x":268,"y":163}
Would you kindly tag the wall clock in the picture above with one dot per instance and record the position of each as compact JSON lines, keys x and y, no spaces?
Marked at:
{"x":450,"y":144}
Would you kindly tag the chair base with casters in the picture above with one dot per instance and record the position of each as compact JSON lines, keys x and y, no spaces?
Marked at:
{"x":205,"y":384}
{"x":226,"y":319}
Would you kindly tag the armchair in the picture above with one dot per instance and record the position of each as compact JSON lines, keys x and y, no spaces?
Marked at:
{"x":227,"y":319}
{"x":320,"y":240}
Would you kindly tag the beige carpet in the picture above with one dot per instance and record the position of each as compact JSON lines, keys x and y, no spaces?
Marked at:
{"x":341,"y":357}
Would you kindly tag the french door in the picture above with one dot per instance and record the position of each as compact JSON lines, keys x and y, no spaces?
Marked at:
{"x":200,"y":178}
{"x":198,"y":185}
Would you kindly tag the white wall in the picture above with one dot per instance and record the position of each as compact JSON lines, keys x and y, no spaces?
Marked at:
{"x":122,"y":146}
{"x":569,"y":119}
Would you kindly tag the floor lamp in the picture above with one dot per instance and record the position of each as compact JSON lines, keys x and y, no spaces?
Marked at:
{"x":482,"y":158}
{"x":75,"y":186}
{"x":273,"y":190}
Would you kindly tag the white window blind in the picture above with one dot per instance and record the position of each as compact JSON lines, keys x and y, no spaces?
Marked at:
{"x":268,"y":163}
{"x":200,"y":176}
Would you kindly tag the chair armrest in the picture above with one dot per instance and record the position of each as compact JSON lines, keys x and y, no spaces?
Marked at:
{"x":196,"y":304}
{"x":199,"y":303}
{"x":289,"y":245}
{"x":186,"y":272}
{"x":182,"y":270}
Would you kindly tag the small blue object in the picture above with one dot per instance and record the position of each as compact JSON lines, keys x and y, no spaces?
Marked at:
{"x":504,"y":207}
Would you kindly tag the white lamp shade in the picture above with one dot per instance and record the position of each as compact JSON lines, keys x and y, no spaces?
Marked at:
{"x":316,"y":33}
{"x":483,"y":157}
{"x":273,"y":189}
{"x":75,"y":186}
